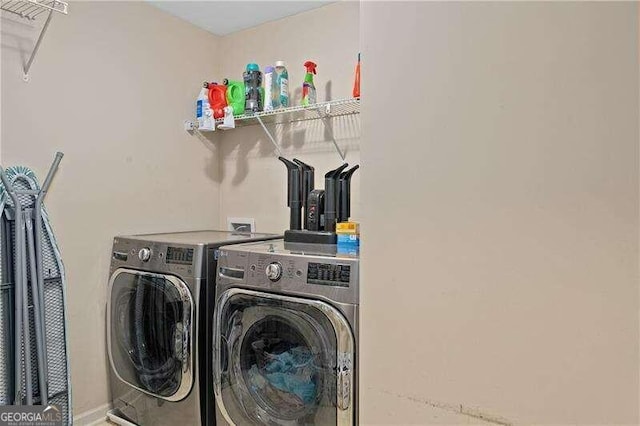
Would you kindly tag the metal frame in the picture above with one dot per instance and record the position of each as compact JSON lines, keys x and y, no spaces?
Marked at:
{"x":31,"y":9}
{"x":345,"y":347}
{"x":322,"y":111}
{"x":186,"y":382}
{"x":28,"y":252}
{"x":270,"y":136}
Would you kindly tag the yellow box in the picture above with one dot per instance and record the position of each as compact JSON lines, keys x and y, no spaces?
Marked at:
{"x":348,"y":228}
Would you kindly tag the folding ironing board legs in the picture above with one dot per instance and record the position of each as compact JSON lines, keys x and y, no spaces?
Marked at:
{"x":25,"y":221}
{"x":17,"y":344}
{"x":26,"y":331}
{"x":38,"y":249}
{"x":22,"y":332}
{"x":7,"y":279}
{"x":40,"y":283}
{"x":22,"y":336}
{"x":38,"y":311}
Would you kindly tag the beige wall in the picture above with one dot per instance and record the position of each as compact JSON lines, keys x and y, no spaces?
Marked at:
{"x":98,"y":69}
{"x":253,"y":181}
{"x":110,"y":88}
{"x":515,"y":295}
{"x":501,"y":276}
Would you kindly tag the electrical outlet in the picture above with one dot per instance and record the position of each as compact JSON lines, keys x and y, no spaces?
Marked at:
{"x":241,"y":224}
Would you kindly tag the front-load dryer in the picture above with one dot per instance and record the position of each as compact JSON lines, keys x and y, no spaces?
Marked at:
{"x":286,"y":336}
{"x":159,"y":316}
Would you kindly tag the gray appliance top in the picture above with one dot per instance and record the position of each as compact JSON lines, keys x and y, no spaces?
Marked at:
{"x":207,"y":237}
{"x":280,"y":247}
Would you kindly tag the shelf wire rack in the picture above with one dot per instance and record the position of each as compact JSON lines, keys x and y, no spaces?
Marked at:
{"x":31,"y":10}
{"x":323,"y":111}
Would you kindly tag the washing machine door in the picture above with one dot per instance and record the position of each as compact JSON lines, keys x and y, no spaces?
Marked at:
{"x":150,"y":321}
{"x":282,"y":360}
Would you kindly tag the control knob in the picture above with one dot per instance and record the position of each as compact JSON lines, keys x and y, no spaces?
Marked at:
{"x":144,"y":254}
{"x":274,"y":271}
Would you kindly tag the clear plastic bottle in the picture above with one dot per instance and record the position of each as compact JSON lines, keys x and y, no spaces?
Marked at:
{"x":281,"y":86}
{"x":204,"y":113}
{"x":268,"y":88}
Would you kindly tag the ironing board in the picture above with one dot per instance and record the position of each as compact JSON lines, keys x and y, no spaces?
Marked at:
{"x":56,"y":361}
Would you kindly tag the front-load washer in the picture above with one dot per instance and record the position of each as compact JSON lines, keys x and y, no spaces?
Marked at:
{"x":159,"y":314}
{"x":286,"y":336}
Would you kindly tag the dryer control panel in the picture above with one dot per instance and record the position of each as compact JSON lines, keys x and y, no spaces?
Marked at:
{"x":179,"y":255}
{"x":329,"y":274}
{"x":269,"y":267}
{"x":185,"y":261}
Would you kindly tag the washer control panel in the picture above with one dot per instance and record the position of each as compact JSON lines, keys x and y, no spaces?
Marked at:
{"x":274,"y":271}
{"x":154,"y":256}
{"x":179,"y":255}
{"x":329,"y":278}
{"x":294,"y":270}
{"x":144,"y":254}
{"x":329,"y":274}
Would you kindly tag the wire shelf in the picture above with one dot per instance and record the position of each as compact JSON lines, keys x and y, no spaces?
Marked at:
{"x":31,"y":9}
{"x":320,"y":110}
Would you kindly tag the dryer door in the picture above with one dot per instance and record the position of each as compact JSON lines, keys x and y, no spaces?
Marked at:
{"x":150,"y":327}
{"x":282,"y":360}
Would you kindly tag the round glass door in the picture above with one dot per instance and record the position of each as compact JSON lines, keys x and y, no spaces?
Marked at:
{"x":276,"y":362}
{"x":150,"y":327}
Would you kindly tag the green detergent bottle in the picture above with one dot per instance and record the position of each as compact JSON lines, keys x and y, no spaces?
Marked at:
{"x":235,"y":96}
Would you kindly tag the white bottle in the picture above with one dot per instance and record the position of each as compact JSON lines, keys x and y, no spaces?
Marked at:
{"x":204,"y":113}
{"x":268,"y":88}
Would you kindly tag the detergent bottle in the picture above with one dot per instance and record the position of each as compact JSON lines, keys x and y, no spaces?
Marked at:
{"x":281,"y":84}
{"x":217,"y":99}
{"x":252,"y":89}
{"x":308,"y":89}
{"x":268,"y":88}
{"x":204,"y":114}
{"x":235,"y":96}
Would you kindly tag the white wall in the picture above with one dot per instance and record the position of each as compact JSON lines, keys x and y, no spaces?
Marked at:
{"x":253,"y":181}
{"x":500,"y":277}
{"x":110,"y":88}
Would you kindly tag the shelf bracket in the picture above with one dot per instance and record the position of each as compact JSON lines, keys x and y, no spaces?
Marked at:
{"x":27,"y":66}
{"x":273,"y":141}
{"x":329,"y":130}
{"x":30,"y":10}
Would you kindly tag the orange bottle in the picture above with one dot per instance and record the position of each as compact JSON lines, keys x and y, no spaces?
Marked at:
{"x":356,"y":83}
